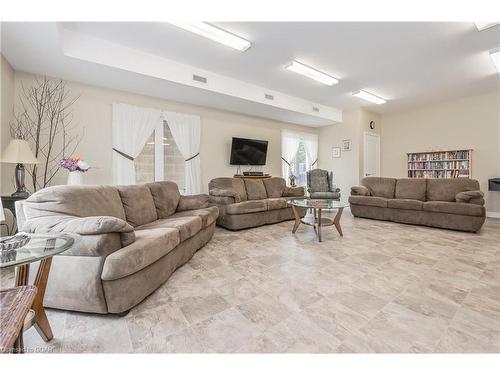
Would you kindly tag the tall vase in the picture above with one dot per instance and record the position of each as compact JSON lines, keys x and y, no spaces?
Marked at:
{"x":75,"y":178}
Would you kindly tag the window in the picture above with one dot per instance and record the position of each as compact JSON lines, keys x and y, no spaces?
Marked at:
{"x":174,"y":166}
{"x":300,"y":165}
{"x":299,"y":154}
{"x":160,"y":159}
{"x":145,"y":163}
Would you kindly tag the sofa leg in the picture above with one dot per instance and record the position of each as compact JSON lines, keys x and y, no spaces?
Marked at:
{"x":124,"y":313}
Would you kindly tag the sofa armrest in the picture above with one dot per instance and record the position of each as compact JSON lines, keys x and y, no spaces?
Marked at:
{"x":92,"y":225}
{"x":192,"y":202}
{"x":225,"y":193}
{"x":294,"y":191}
{"x":221,"y":200}
{"x":360,"y":190}
{"x":335,"y":190}
{"x":473,"y":196}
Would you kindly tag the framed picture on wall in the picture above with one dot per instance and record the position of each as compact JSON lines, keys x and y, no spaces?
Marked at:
{"x":336,"y":152}
{"x":346,"y":145}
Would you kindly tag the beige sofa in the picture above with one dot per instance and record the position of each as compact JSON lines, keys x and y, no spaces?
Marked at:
{"x":132,"y":239}
{"x":444,"y":203}
{"x":247,"y":203}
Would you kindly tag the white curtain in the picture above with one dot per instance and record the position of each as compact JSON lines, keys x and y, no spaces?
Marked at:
{"x":311,"y":146}
{"x":186,"y":131}
{"x":131,"y":127}
{"x":289,"y":146}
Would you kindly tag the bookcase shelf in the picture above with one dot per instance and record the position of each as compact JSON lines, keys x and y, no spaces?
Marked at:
{"x":440,"y":164}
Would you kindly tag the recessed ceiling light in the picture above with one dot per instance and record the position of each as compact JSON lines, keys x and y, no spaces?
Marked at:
{"x":370,"y":97}
{"x":312,"y":73}
{"x":485,"y":25}
{"x":216,"y":34}
{"x":495,"y":56}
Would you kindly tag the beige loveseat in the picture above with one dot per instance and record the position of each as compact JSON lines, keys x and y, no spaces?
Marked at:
{"x":444,"y":203}
{"x":246,"y":203}
{"x":132,"y":239}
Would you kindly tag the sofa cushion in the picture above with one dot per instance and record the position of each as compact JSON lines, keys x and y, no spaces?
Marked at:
{"x":208,"y":215}
{"x":138,"y":204}
{"x":229,"y":183}
{"x":187,"y":226}
{"x":246,"y":207}
{"x":380,"y":186}
{"x":275,"y":186}
{"x":150,"y":245}
{"x":368,"y":201}
{"x":441,"y":189}
{"x":411,"y":188}
{"x":276,"y":203}
{"x":405,"y":204}
{"x":255,"y":189}
{"x":468,"y":209}
{"x":75,"y":200}
{"x":166,"y":197}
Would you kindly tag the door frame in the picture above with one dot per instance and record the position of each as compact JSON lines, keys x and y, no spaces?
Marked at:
{"x":376,"y":135}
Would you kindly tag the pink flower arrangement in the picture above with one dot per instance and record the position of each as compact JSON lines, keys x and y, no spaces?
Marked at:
{"x":75,"y":163}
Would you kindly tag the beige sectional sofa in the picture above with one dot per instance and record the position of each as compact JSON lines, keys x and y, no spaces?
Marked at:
{"x":132,"y":239}
{"x":444,"y":203}
{"x":247,"y":203}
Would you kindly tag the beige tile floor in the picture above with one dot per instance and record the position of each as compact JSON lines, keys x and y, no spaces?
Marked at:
{"x":383,"y":287}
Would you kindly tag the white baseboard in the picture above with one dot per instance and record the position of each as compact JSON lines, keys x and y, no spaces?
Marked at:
{"x":493,"y":214}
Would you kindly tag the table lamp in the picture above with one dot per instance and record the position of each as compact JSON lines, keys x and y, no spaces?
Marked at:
{"x":18,"y":152}
{"x":2,"y":214}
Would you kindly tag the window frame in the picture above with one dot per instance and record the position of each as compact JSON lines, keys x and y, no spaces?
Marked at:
{"x":159,"y":153}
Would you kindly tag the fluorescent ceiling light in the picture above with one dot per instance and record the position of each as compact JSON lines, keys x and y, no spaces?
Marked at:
{"x":312,"y":73}
{"x":216,"y":34}
{"x":370,"y":97}
{"x":495,"y":56}
{"x":485,"y":25}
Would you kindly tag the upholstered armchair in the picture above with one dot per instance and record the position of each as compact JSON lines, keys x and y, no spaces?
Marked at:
{"x":320,"y":185}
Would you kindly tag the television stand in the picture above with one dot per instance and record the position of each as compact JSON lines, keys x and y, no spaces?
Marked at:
{"x":253,"y":177}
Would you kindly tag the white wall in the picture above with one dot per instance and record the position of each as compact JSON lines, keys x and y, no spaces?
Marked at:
{"x":472,"y":122}
{"x":348,"y":169}
{"x":7,"y":102}
{"x":92,"y":113}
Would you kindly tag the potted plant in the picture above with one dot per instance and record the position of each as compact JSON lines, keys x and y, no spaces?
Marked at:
{"x":76,"y":167}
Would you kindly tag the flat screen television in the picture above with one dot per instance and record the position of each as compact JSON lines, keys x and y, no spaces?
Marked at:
{"x":248,"y":152}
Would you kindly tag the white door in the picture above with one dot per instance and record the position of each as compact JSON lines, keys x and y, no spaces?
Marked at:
{"x":371,"y":151}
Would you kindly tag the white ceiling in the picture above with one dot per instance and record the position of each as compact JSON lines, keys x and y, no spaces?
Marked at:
{"x":409,"y":64}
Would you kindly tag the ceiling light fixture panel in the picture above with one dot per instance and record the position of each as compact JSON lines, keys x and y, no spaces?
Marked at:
{"x":485,"y":25}
{"x":312,"y":73}
{"x":216,"y":34}
{"x":369,"y":97}
{"x":495,"y":56}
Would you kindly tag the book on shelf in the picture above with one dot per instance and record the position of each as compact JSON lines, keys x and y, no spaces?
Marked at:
{"x":439,"y":155}
{"x":440,"y":164}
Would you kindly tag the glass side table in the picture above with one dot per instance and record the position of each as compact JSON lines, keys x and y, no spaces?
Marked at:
{"x":41,"y":248}
{"x":317,"y":220}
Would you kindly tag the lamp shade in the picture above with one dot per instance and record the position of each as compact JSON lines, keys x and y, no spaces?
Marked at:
{"x":18,"y":152}
{"x":2,"y":214}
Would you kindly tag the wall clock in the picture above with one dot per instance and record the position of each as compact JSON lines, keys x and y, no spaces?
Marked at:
{"x":372,"y":125}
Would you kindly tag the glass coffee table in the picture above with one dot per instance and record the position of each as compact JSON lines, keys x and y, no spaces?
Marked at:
{"x":40,"y":248}
{"x":318,"y":220}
